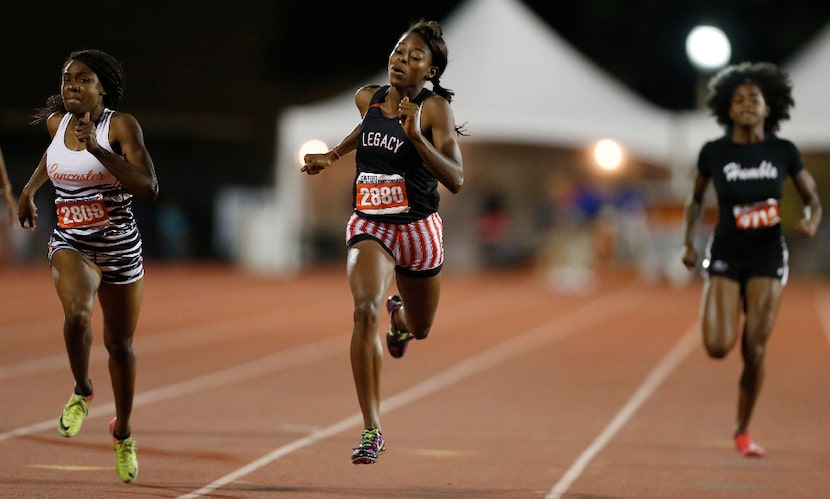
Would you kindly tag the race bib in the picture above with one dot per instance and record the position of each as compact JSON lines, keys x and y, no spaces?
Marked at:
{"x":381,"y":194}
{"x":757,"y":216}
{"x":87,"y":212}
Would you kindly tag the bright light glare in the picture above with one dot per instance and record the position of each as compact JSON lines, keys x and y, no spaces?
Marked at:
{"x":608,"y":154}
{"x":708,"y":47}
{"x":310,"y":147}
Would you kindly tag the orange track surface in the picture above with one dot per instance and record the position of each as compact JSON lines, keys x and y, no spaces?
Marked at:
{"x":244,"y":391}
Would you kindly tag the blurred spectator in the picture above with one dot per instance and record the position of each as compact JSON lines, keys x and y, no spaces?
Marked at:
{"x":174,"y":234}
{"x":633,"y":242}
{"x":494,"y":229}
{"x":570,"y":217}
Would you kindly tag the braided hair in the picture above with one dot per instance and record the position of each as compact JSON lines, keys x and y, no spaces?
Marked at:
{"x":432,"y":34}
{"x":110,"y":73}
{"x":774,"y":83}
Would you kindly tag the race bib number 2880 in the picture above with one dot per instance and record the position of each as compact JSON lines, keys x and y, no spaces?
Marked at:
{"x":381,"y":194}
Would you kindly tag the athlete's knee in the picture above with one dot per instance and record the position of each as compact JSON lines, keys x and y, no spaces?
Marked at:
{"x":716,"y":351}
{"x":366,"y":315}
{"x":718,"y":340}
{"x":120,"y":349}
{"x":420,"y":334}
{"x":716,"y":347}
{"x":753,"y":354}
{"x":78,"y":318}
{"x":419,"y":329}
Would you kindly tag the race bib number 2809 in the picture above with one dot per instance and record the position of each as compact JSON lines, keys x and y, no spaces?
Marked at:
{"x":88,"y":212}
{"x":381,"y":194}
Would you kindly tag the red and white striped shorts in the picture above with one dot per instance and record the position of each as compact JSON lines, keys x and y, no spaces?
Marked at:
{"x":417,"y":247}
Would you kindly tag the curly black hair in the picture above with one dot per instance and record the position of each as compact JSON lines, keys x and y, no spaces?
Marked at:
{"x":109,"y":71}
{"x":774,"y":83}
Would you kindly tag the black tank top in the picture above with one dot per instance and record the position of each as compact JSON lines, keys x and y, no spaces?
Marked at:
{"x":384,"y":148}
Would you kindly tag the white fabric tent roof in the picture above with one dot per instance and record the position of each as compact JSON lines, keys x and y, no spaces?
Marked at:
{"x":809,"y":125}
{"x":515,"y":80}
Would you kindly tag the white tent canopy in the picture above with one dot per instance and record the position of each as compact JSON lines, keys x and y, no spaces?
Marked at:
{"x":515,"y":80}
{"x":809,"y":69}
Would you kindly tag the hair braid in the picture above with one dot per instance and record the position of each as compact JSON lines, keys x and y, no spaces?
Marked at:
{"x":432,"y":34}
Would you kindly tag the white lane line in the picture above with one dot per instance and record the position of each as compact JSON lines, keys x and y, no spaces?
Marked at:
{"x":822,"y":299}
{"x":282,"y":360}
{"x":43,"y":364}
{"x":672,"y":359}
{"x":185,"y":337}
{"x":198,"y":334}
{"x":558,"y":329}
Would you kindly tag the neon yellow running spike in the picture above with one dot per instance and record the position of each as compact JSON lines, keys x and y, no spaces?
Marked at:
{"x":73,"y":414}
{"x":126,"y":460}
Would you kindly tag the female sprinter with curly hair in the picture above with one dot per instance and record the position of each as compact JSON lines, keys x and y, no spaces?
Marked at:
{"x":745,"y":265}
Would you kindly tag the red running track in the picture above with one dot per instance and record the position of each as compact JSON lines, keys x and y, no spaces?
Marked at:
{"x":245,"y":391}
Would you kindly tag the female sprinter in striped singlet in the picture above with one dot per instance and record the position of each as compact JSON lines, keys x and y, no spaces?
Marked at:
{"x":746,"y":260}
{"x":97,"y":162}
{"x":406,"y":144}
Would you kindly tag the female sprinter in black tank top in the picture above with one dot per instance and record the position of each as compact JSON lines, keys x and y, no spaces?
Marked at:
{"x":406,"y":144}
